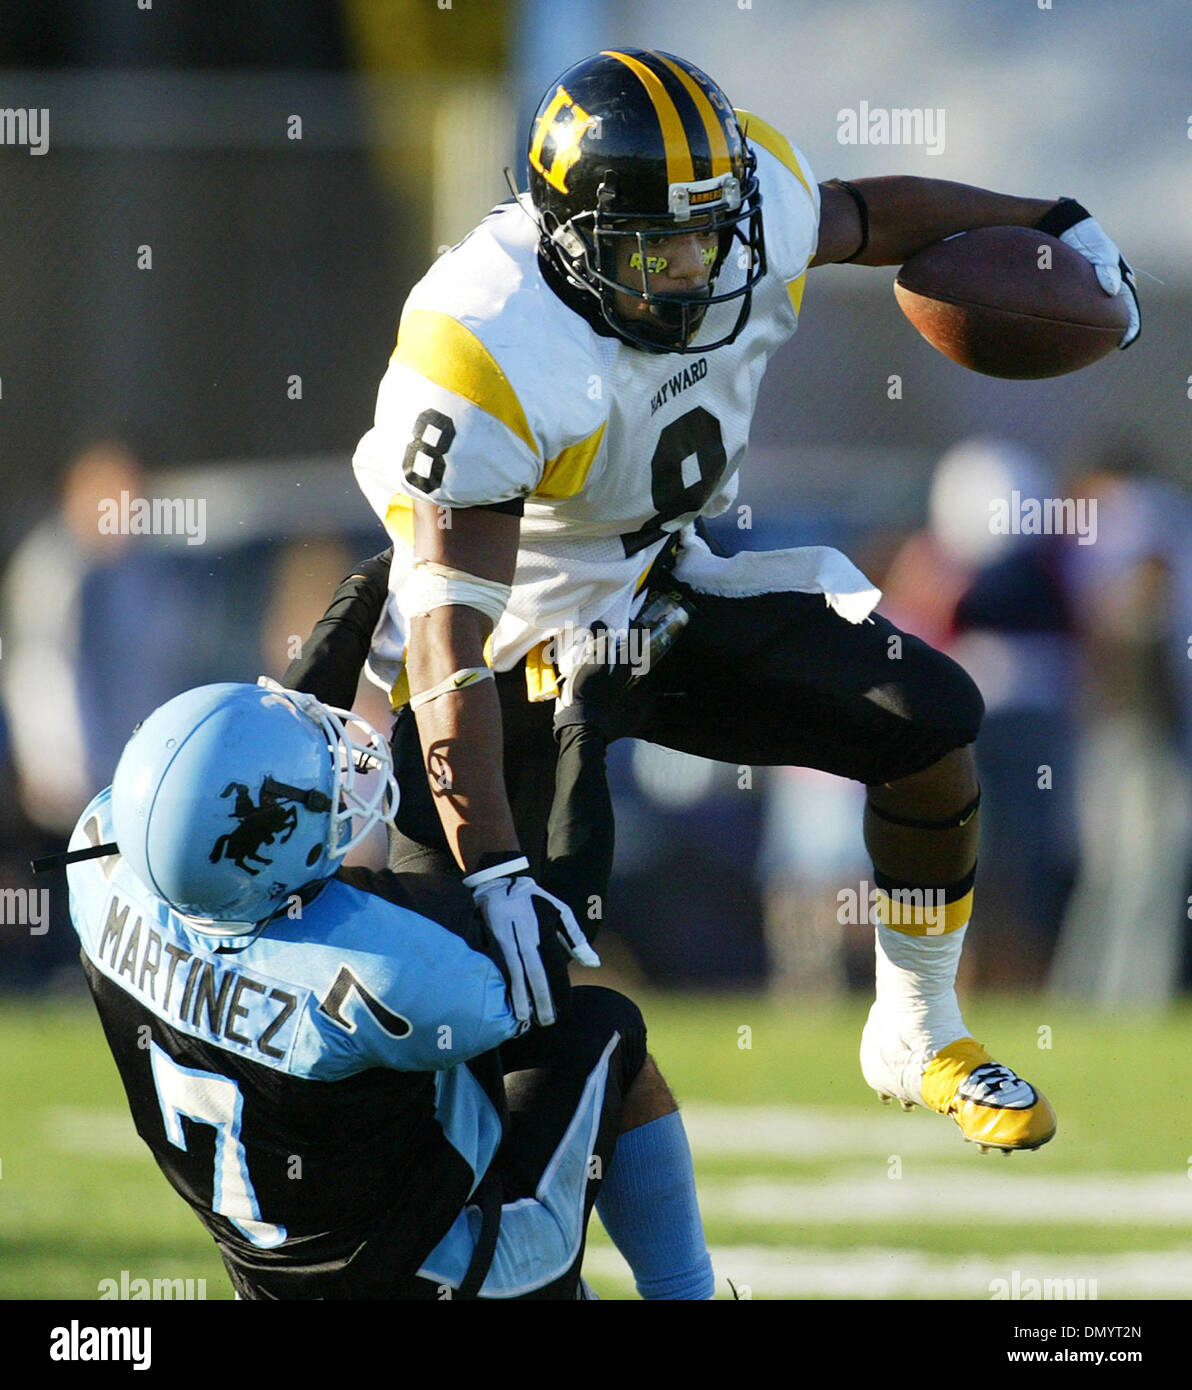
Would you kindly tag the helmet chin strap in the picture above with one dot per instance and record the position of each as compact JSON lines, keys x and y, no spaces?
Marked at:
{"x":669,"y":319}
{"x":676,"y":322}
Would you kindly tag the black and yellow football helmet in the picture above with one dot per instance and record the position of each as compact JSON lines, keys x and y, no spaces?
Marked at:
{"x":640,"y":145}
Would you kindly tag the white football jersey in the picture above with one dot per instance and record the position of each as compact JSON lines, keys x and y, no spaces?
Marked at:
{"x":497,"y":391}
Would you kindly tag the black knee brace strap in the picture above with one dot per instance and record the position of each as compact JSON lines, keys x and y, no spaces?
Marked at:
{"x":961,"y":818}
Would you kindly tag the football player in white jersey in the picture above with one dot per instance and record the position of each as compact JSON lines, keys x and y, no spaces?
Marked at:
{"x":571,"y":392}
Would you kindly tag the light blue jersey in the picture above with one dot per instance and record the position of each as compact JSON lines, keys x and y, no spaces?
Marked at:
{"x":325,"y":1094}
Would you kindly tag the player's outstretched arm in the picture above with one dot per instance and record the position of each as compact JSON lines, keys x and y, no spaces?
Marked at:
{"x":905,"y":214}
{"x":886,"y":221}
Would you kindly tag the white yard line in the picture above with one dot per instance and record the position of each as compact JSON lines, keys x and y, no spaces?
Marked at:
{"x":946,"y":1196}
{"x":765,"y":1272}
{"x":76,"y":1129}
{"x":958,"y":1189}
{"x":790,"y":1131}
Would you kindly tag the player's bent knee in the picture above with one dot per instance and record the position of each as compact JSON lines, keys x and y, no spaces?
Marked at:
{"x":942,"y":714}
{"x":957,"y":705}
{"x":967,"y":702}
{"x":596,"y":1004}
{"x":605,"y":1010}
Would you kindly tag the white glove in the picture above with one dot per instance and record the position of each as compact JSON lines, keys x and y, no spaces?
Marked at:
{"x":505,"y":895}
{"x":1077,"y":228}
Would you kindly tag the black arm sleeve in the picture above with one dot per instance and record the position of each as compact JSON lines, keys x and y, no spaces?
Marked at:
{"x":334,"y":653}
{"x":581,"y":831}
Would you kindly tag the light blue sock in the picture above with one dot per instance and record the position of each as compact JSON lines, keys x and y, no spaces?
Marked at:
{"x":649,"y":1208}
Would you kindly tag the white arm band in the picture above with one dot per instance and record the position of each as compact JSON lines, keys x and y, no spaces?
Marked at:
{"x":510,"y":866}
{"x":436,"y":586}
{"x":457,"y":680}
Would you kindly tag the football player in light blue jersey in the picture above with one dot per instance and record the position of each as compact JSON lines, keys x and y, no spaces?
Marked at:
{"x":343,"y":1072}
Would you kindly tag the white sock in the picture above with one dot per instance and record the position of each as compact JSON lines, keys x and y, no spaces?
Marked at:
{"x":915,"y":1012}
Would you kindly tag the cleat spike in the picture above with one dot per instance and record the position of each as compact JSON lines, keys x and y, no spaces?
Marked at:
{"x":907,"y":1104}
{"x":985,"y":1148}
{"x":885,"y":1100}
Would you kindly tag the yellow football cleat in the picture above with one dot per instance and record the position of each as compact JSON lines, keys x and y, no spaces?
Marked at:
{"x":995,"y":1108}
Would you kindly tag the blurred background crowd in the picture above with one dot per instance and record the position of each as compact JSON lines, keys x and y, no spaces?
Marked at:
{"x":203,"y":279}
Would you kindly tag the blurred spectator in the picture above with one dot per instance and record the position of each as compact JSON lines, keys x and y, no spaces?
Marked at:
{"x":1123,"y":933}
{"x":100,"y":625}
{"x":41,"y":603}
{"x":975,"y":585}
{"x":103,"y":626}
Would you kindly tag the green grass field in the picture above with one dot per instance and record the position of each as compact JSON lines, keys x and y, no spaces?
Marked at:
{"x":809,"y":1187}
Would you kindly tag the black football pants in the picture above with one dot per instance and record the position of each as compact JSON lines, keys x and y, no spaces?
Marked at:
{"x":771,"y":680}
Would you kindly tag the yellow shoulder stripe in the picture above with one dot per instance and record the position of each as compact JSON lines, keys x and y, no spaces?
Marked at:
{"x":399,"y":695}
{"x":773,"y":140}
{"x":447,"y":353}
{"x":399,"y":519}
{"x":795,"y":289}
{"x":567,"y":472}
{"x":679,"y":166}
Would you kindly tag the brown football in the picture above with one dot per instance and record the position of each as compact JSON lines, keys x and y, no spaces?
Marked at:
{"x":1010,"y":302}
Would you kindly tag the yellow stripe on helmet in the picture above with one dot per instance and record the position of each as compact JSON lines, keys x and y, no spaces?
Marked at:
{"x":679,"y":165}
{"x":717,"y":144}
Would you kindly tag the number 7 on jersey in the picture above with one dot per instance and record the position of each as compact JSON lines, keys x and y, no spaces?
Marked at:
{"x":214,"y":1100}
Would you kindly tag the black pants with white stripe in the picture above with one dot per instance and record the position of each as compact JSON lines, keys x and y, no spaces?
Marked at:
{"x":546,"y":1074}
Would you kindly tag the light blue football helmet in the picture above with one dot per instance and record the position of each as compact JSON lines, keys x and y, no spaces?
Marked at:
{"x":230,"y":799}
